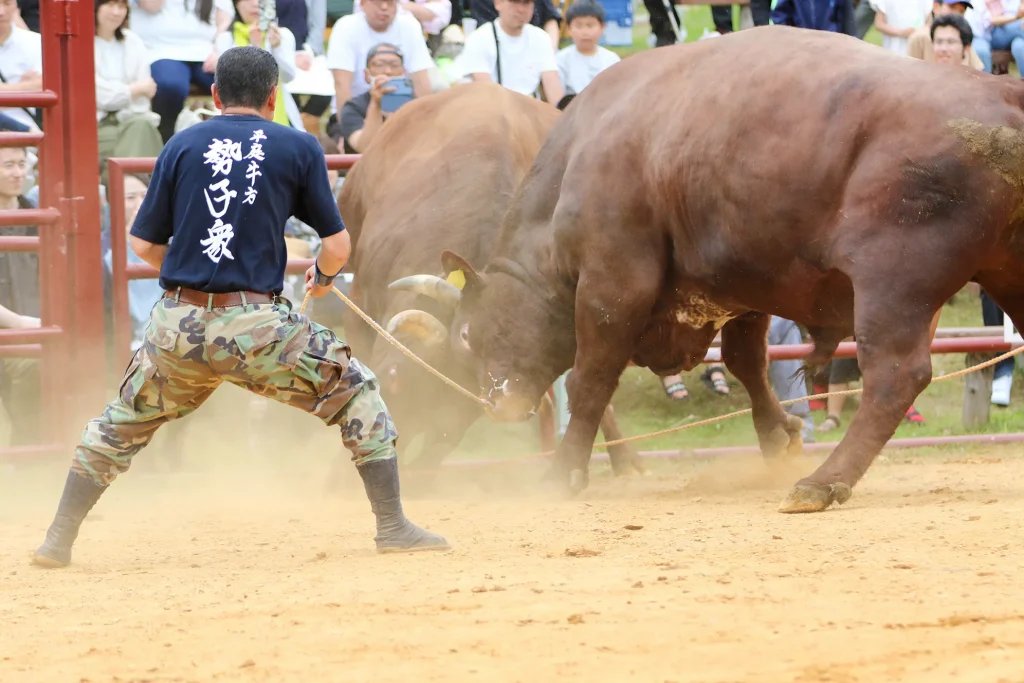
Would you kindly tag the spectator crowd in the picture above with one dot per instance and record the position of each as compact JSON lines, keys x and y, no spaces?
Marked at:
{"x":347,"y":65}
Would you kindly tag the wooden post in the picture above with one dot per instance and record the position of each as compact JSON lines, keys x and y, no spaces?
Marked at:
{"x":977,"y":391}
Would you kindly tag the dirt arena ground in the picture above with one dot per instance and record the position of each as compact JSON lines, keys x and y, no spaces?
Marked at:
{"x":687,"y":575}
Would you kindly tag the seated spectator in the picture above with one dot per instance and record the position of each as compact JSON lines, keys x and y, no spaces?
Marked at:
{"x":356,"y":34}
{"x":433,"y":15}
{"x":142,"y":294}
{"x":127,"y":125}
{"x":919,"y":44}
{"x":1002,"y":379}
{"x":786,"y":375}
{"x":846,"y":370}
{"x":512,"y":52}
{"x":545,"y":16}
{"x":307,"y":20}
{"x":179,"y":36}
{"x":820,"y":15}
{"x":21,"y":66}
{"x":951,"y":41}
{"x":896,"y":20}
{"x":362,"y":116}
{"x":279,"y":41}
{"x":981,"y":25}
{"x":1007,"y":33}
{"x":580,"y":63}
{"x":20,"y":299}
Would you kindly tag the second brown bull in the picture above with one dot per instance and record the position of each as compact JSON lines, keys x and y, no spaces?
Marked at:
{"x":442,"y":172}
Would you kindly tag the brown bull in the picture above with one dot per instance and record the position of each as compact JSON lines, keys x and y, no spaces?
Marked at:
{"x":777,"y":171}
{"x":441,"y":172}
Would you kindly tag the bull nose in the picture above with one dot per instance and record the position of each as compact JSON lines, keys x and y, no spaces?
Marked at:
{"x":510,"y":409}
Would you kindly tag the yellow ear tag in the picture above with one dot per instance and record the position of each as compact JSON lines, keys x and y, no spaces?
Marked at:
{"x":457,"y":278}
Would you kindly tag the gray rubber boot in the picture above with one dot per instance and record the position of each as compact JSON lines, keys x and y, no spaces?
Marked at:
{"x":395,"y":533}
{"x":80,"y":495}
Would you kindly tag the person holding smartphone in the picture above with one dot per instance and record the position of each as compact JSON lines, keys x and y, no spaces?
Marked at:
{"x":363,"y":115}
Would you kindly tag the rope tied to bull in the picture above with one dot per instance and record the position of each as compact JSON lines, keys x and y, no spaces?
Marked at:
{"x":398,"y":345}
{"x":640,"y":437}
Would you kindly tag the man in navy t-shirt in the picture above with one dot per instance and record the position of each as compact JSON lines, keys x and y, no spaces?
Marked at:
{"x":213,"y":223}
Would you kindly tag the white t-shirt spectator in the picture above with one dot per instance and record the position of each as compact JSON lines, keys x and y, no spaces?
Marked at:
{"x":901,"y":14}
{"x":578,"y":70}
{"x":352,"y":39}
{"x":20,"y":53}
{"x":119,"y":63}
{"x":523,"y":58}
{"x":175,"y":32}
{"x":441,"y":9}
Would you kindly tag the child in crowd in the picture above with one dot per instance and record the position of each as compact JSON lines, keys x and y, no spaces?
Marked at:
{"x":580,"y":63}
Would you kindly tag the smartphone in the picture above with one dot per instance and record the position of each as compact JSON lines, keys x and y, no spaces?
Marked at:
{"x":402,"y":93}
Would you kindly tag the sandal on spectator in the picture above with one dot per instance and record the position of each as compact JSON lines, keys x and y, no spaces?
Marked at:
{"x":715,"y":384}
{"x":831,"y":422}
{"x":914,"y":417}
{"x":677,"y":388}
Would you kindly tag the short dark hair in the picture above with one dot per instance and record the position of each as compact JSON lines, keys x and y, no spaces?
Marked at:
{"x":384,"y":49}
{"x":957,"y":22}
{"x":245,"y":76}
{"x":584,"y":8}
{"x":119,"y":31}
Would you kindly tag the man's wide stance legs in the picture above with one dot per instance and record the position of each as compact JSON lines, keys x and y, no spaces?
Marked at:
{"x":267,"y":349}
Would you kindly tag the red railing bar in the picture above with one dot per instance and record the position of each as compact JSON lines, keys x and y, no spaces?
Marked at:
{"x":21,"y":217}
{"x":34,"y":449}
{"x":29,"y":336}
{"x":21,"y":351}
{"x":849,"y":349}
{"x":9,"y":139}
{"x":18,"y":243}
{"x":28,"y":98}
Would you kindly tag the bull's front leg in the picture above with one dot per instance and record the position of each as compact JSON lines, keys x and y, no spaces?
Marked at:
{"x":893,"y":352}
{"x":608,"y":322}
{"x":745,"y":352}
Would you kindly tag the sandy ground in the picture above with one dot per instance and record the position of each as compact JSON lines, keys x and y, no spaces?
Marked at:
{"x":687,"y":575}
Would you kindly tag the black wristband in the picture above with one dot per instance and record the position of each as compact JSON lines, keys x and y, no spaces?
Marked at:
{"x":322,"y":280}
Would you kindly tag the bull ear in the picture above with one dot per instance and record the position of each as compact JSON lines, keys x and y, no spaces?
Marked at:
{"x":452,"y":262}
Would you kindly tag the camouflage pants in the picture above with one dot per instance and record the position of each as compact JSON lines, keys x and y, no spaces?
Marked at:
{"x":268,"y":349}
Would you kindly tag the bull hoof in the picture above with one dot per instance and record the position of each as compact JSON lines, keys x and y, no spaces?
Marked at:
{"x":564,"y":484}
{"x":813,"y":497}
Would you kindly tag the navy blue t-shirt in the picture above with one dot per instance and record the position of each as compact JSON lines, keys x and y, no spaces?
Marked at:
{"x":224,"y":189}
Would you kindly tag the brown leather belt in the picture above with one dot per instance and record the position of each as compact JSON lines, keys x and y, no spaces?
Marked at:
{"x":226,"y":300}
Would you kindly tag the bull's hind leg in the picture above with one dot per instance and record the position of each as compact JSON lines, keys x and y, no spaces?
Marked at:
{"x":745,"y":352}
{"x":892,"y":328}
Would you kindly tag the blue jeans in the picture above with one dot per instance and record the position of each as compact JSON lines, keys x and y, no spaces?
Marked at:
{"x":983,"y":48}
{"x":173,"y":80}
{"x":1010,"y":37}
{"x":786,"y":378}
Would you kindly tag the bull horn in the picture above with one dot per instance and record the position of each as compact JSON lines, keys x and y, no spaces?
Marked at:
{"x":432,"y":286}
{"x":419,"y":326}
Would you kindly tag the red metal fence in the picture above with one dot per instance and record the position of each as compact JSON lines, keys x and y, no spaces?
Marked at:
{"x":122,"y":271}
{"x":68,"y":245}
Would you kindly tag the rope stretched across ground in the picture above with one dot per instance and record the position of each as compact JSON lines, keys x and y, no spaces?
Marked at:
{"x":671,"y":430}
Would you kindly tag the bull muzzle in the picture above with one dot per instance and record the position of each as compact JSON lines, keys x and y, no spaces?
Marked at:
{"x":504,"y":405}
